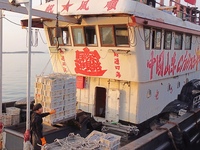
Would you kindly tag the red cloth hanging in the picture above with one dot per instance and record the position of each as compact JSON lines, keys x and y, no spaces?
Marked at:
{"x":192,"y":2}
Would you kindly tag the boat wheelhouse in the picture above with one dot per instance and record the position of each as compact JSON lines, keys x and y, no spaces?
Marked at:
{"x":131,"y":59}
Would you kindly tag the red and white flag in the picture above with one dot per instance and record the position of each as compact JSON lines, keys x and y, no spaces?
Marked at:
{"x":192,"y":2}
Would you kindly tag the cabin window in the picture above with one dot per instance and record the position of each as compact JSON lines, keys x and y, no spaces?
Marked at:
{"x":188,"y":41}
{"x":178,"y":41}
{"x":114,"y":35}
{"x":90,"y":35}
{"x":59,"y":36}
{"x":121,"y":34}
{"x":167,"y":40}
{"x":107,"y":35}
{"x":78,"y":36}
{"x":66,"y":36}
{"x":156,"y":40}
{"x":147,"y":33}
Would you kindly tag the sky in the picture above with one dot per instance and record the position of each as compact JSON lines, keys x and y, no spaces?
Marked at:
{"x":15,"y":38}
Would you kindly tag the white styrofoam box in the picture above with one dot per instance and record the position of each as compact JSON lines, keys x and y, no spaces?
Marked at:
{"x":69,"y":91}
{"x":95,"y":136}
{"x":70,"y":95}
{"x":60,"y":114}
{"x":52,"y":120}
{"x":110,"y":140}
{"x":72,"y":100}
{"x":116,"y":147}
{"x":69,"y":100}
{"x":51,"y":80}
{"x":13,"y":110}
{"x":6,"y":119}
{"x":70,"y":112}
{"x":15,"y":119}
{"x":53,"y":98}
{"x":40,"y":79}
{"x":53,"y":93}
{"x":58,"y":109}
{"x":54,"y":104}
{"x":38,"y":85}
{"x":53,"y":87}
{"x":10,"y":119}
{"x":70,"y":106}
{"x":39,"y":91}
{"x":38,"y":97}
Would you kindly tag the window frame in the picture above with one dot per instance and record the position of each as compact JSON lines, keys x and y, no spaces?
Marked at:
{"x":90,"y":45}
{"x":154,"y":37}
{"x":68,"y":36}
{"x":178,"y":33}
{"x":107,"y":45}
{"x":185,"y":42}
{"x":164,"y":44}
{"x":121,"y":45}
{"x":149,"y":39}
{"x":53,"y":35}
{"x":76,"y":27}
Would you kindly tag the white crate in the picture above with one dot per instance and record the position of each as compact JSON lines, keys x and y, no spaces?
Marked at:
{"x":59,"y":109}
{"x":70,"y":106}
{"x":53,"y":87}
{"x":38,"y":85}
{"x":54,"y":104}
{"x":116,"y":147}
{"x":110,"y":140}
{"x":95,"y":136}
{"x":69,"y":100}
{"x":53,"y":98}
{"x":38,"y":98}
{"x":53,"y":93}
{"x":69,"y":95}
{"x":46,"y":109}
{"x":69,"y":91}
{"x":70,"y":112}
{"x":60,"y":114}
{"x":6,"y":119}
{"x":40,"y":79}
{"x":13,"y":110}
{"x":53,"y":80}
{"x":15,"y":119}
{"x":72,"y":100}
{"x":39,"y":91}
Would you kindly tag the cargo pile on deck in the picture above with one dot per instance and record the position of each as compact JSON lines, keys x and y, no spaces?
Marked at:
{"x":58,"y":92}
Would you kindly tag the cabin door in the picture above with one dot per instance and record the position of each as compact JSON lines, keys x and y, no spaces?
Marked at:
{"x":112,"y":109}
{"x":100,"y":102}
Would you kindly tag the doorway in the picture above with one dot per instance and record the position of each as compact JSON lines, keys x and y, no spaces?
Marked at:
{"x":100,"y":102}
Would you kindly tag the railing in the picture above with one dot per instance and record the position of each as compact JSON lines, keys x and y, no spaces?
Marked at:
{"x":186,"y":13}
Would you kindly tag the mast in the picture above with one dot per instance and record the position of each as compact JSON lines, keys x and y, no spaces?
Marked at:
{"x":1,"y":47}
{"x":29,"y":65}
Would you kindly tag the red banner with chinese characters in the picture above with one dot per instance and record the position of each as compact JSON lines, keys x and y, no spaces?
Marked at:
{"x":192,"y":2}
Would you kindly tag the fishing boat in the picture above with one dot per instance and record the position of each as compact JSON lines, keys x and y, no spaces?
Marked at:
{"x":136,"y":64}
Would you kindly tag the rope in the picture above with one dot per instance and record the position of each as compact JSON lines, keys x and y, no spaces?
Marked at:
{"x":170,"y":135}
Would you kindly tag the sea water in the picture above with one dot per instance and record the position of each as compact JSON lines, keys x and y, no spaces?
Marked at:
{"x":14,"y":75}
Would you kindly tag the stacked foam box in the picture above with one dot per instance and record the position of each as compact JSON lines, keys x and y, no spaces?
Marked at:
{"x":58,"y":92}
{"x":107,"y":141}
{"x":6,"y":119}
{"x":110,"y":141}
{"x":11,"y":117}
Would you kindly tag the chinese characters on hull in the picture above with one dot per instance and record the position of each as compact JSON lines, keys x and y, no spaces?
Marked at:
{"x":117,"y":65}
{"x":110,"y":5}
{"x":164,"y":65}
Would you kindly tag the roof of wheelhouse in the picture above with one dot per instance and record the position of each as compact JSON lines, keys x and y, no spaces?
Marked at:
{"x":115,"y":8}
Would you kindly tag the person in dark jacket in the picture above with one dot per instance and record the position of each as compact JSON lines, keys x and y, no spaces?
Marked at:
{"x":36,"y":126}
